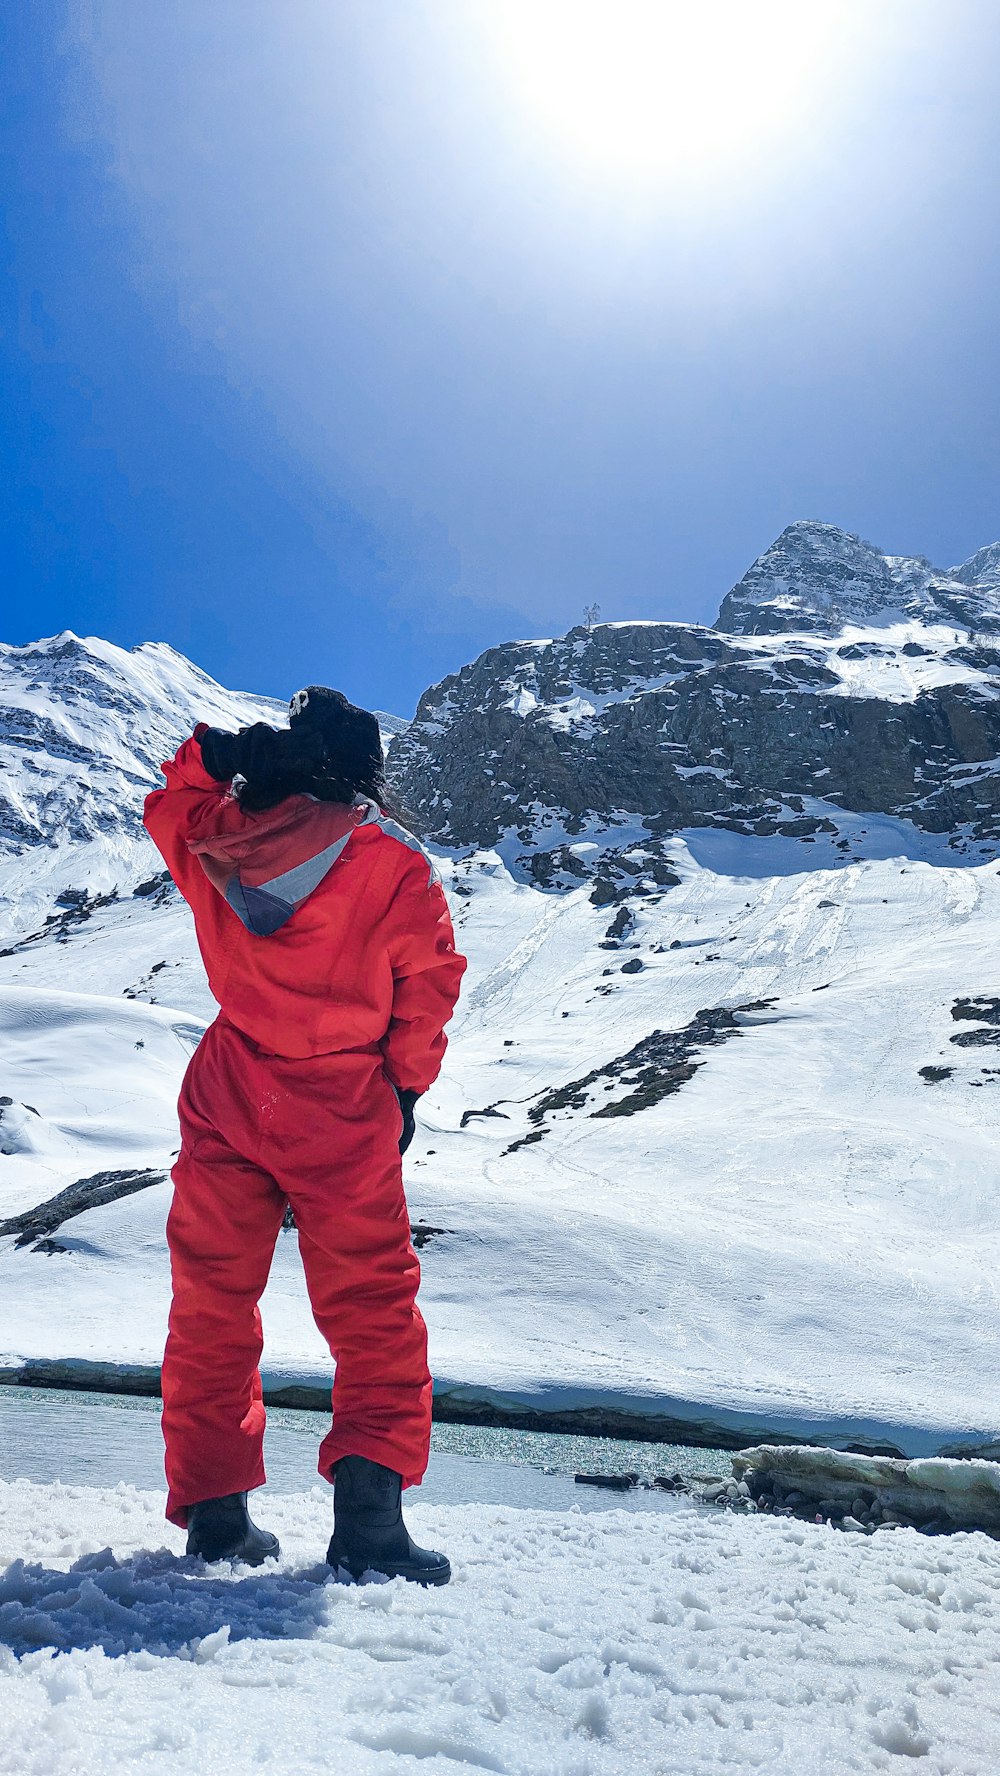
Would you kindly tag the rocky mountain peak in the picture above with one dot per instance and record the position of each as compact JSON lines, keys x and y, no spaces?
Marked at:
{"x":821,"y":578}
{"x":579,"y":758}
{"x":981,"y":570}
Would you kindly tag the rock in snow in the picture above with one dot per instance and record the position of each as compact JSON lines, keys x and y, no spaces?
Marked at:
{"x":959,"y":1494}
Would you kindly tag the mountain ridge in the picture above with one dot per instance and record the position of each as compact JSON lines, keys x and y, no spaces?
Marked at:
{"x":582,"y":757}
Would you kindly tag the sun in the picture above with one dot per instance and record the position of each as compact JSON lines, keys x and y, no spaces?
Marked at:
{"x":644,"y":88}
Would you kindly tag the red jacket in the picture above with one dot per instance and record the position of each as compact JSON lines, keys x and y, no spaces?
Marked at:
{"x":366,"y":959}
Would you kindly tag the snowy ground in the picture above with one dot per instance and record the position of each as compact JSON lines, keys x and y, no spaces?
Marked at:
{"x":803,"y":1237}
{"x":720,"y":1645}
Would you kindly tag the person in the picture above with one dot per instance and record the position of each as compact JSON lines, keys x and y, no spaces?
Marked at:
{"x":329,"y":947}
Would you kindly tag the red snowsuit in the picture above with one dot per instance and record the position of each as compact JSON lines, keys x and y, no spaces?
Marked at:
{"x":289,"y":1098}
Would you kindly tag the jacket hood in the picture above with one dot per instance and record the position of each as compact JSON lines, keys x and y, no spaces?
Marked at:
{"x":266,"y":863}
{"x":259,"y":846}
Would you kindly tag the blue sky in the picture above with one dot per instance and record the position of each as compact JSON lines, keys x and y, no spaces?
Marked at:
{"x":320,"y":360}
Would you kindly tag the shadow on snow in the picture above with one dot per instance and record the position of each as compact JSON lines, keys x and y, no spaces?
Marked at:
{"x":156,"y":1603}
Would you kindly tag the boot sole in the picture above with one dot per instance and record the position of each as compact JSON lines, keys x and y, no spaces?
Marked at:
{"x":402,"y":1569}
{"x":232,"y":1554}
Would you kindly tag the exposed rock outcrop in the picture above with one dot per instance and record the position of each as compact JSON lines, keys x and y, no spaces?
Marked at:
{"x":582,"y":757}
{"x":38,"y":1224}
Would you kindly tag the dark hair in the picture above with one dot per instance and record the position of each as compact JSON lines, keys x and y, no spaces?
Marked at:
{"x":266,"y":791}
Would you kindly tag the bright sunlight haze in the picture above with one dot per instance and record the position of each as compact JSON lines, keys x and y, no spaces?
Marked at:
{"x":646,"y":88}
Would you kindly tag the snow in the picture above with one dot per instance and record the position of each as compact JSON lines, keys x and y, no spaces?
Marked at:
{"x":982,"y":569}
{"x":720,"y":1644}
{"x":870,"y":839}
{"x":572,"y":711}
{"x":617,"y":828}
{"x":93,"y":1082}
{"x":763,"y":1231}
{"x":523,"y":702}
{"x":581,"y":704}
{"x":883,"y":670}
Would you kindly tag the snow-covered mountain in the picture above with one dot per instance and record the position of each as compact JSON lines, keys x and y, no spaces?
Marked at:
{"x":704,"y":1150}
{"x":818,"y":577}
{"x":84,"y":727}
{"x":584,"y":756}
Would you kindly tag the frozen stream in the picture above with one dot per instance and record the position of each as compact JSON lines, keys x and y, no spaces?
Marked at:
{"x":99,"y":1439}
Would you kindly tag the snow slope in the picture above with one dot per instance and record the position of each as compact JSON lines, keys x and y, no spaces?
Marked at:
{"x":802,"y":1237}
{"x":721,"y":1644}
{"x":84,"y":727}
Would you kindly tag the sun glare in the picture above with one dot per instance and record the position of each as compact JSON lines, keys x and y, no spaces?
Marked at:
{"x":644,"y":88}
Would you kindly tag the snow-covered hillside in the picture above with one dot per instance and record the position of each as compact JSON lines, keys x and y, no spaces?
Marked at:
{"x":84,"y":728}
{"x":705,"y":1148}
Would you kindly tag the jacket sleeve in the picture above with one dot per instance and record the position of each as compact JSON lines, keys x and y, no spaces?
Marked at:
{"x":170,"y":813}
{"x":427,"y":972}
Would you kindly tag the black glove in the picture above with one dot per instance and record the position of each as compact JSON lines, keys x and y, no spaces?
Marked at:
{"x":407,"y":1105}
{"x":267,"y":757}
{"x":220,"y":754}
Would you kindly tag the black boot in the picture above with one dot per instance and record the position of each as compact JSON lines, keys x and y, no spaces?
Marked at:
{"x":369,"y":1534}
{"x":220,"y":1529}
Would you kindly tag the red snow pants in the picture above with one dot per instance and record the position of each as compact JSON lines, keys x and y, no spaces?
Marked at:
{"x":321,"y":1133}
